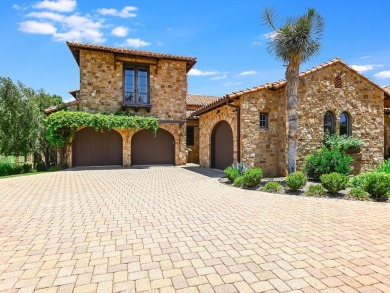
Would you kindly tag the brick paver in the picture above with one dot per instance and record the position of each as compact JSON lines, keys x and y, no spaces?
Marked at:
{"x":169,"y":229}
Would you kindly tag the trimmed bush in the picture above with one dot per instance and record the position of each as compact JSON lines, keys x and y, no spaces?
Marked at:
{"x":359,"y":194}
{"x":378,"y":185}
{"x":272,"y":187}
{"x":239,"y":181}
{"x":334,"y":182}
{"x":315,"y":189}
{"x":385,"y":167}
{"x":326,"y":161}
{"x":232,"y":173}
{"x":252,"y":177}
{"x":40,"y":167}
{"x":359,"y":181}
{"x":296,"y":180}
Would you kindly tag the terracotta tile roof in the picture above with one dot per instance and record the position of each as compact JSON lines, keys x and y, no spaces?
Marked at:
{"x":74,"y":93}
{"x":200,"y":100}
{"x":62,"y":106}
{"x":75,"y":48}
{"x":281,"y":83}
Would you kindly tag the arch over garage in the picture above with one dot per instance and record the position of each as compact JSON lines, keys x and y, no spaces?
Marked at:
{"x":149,"y":149}
{"x":221,"y":145}
{"x":97,"y":148}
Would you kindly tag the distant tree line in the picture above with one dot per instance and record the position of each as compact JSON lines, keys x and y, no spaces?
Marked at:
{"x":22,"y":128}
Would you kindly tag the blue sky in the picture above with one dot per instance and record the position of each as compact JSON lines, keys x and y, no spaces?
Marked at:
{"x":226,"y":36}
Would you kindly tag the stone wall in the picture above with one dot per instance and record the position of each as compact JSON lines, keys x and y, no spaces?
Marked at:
{"x":359,"y":98}
{"x":193,"y":155}
{"x":101,"y":85}
{"x":207,"y":122}
{"x":265,"y":148}
{"x":101,"y":78}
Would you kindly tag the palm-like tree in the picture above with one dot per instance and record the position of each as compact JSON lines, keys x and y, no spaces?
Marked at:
{"x":296,"y":41}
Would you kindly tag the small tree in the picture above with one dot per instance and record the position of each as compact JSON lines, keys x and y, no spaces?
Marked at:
{"x":296,"y":41}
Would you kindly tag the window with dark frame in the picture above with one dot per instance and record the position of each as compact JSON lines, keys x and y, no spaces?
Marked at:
{"x":190,"y":135}
{"x":345,"y":124}
{"x":329,"y":122}
{"x":263,"y":120}
{"x":136,"y":85}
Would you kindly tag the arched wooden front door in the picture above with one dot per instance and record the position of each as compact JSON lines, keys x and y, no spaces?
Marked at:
{"x":149,"y":149}
{"x":221,"y":146}
{"x":97,"y":148}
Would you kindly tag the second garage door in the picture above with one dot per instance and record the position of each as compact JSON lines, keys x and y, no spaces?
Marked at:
{"x":148,"y":149}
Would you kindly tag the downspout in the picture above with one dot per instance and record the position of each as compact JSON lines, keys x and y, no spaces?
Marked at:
{"x":237,"y":110}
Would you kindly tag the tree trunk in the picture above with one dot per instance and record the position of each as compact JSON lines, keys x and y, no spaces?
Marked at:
{"x":292,"y":77}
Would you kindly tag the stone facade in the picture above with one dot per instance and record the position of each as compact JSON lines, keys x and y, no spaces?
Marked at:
{"x":267,"y":148}
{"x":207,"y":123}
{"x":101,"y":90}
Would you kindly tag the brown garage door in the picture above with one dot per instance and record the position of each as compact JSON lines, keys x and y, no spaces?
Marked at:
{"x":221,"y":146}
{"x":147,"y":149}
{"x":96,"y":148}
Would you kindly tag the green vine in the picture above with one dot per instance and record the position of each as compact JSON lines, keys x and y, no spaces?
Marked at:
{"x":61,"y":126}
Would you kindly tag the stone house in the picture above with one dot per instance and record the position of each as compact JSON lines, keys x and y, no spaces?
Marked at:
{"x":138,"y":82}
{"x":251,"y":125}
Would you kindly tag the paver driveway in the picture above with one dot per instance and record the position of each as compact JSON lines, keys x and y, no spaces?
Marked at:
{"x":169,"y":229}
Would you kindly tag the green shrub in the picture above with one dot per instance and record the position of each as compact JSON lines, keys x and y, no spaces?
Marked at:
{"x":326,"y":161}
{"x":378,"y":184}
{"x":252,"y":177}
{"x":359,"y":181}
{"x":359,"y":194}
{"x":334,"y":182}
{"x":232,"y":173}
{"x":385,"y":167}
{"x":27,"y":168}
{"x":239,"y":181}
{"x":315,"y":189}
{"x":343,"y":141}
{"x":40,"y":167}
{"x":5,"y":168}
{"x":296,"y":180}
{"x":54,"y":169}
{"x":272,"y":186}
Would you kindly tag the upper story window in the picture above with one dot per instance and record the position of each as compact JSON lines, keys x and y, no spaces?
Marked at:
{"x":136,"y":85}
{"x":329,"y":122}
{"x":345,"y":124}
{"x":263,"y":120}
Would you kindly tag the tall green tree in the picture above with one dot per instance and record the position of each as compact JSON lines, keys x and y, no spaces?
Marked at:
{"x":15,"y":119}
{"x":294,"y":42}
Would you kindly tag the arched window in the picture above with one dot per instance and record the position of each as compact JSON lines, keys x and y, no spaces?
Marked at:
{"x":345,"y":124}
{"x":329,"y":122}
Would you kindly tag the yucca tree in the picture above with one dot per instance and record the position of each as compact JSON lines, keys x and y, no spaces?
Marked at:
{"x":296,"y":41}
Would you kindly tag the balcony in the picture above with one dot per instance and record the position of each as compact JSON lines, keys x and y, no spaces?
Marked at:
{"x":137,"y":99}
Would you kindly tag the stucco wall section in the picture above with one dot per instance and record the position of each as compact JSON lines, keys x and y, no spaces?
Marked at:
{"x":206,"y":125}
{"x":101,"y":81}
{"x":362,"y":100}
{"x":264,"y":148}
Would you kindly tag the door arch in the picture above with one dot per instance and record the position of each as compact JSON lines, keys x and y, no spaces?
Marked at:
{"x":149,"y":149}
{"x":221,"y":146}
{"x":97,"y":148}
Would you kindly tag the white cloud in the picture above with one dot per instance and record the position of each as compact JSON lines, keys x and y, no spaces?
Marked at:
{"x":35,"y":27}
{"x":219,"y":77}
{"x":231,"y":83}
{"x":365,"y":57}
{"x":47,"y":15}
{"x":367,"y":67}
{"x":198,"y":72}
{"x":383,"y":74}
{"x":120,"y":31}
{"x":59,"y":5}
{"x":257,"y":43}
{"x":18,"y":7}
{"x":270,"y":35}
{"x":126,"y":11}
{"x":249,"y":72}
{"x":135,"y":43}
